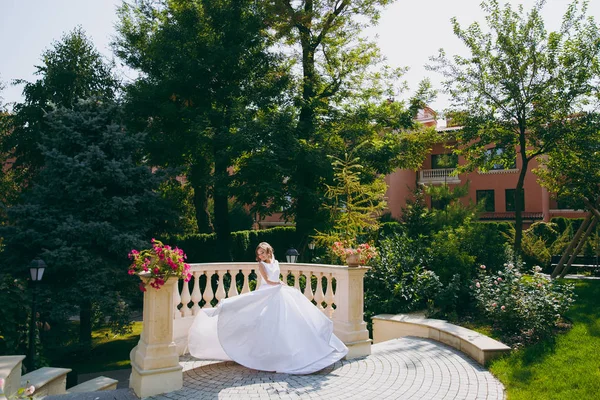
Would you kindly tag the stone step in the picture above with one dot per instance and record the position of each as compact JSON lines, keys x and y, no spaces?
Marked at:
{"x":94,"y":385}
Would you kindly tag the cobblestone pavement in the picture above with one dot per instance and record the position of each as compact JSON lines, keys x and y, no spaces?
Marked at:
{"x":406,"y":368}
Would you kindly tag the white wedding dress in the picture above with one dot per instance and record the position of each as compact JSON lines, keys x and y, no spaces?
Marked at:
{"x":274,"y":328}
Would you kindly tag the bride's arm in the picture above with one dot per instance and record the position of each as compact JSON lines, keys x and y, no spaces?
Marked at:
{"x":263,"y":273}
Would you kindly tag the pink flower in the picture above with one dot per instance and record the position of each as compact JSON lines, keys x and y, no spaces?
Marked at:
{"x":499,"y":279}
{"x":478,"y":285}
{"x":494,"y":304}
{"x":29,"y":391}
{"x":502,"y":308}
{"x":142,"y":287}
{"x":482,"y":266}
{"x":131,"y":272}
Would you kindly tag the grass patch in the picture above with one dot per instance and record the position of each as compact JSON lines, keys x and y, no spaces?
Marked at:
{"x":564,"y":367}
{"x":109,"y":352}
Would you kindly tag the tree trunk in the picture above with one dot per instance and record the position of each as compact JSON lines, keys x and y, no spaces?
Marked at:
{"x":221,"y":204}
{"x":199,"y":179}
{"x":85,"y":325}
{"x":519,"y":197}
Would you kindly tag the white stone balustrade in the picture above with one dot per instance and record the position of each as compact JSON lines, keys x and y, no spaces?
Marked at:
{"x":170,"y":311}
{"x":438,"y":175}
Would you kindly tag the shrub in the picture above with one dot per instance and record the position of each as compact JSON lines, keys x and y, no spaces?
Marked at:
{"x":200,"y":247}
{"x":523,"y":307}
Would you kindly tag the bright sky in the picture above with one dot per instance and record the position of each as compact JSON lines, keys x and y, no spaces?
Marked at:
{"x":409,"y":33}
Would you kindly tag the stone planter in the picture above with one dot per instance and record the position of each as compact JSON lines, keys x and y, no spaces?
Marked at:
{"x":352,"y":260}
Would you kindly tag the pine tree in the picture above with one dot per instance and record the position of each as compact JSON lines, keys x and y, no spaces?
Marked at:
{"x":88,"y":207}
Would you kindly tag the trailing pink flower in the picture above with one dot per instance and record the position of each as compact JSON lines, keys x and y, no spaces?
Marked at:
{"x":160,"y":262}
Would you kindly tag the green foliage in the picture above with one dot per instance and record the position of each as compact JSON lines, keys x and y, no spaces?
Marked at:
{"x":200,"y":247}
{"x":524,"y":307}
{"x":572,"y":170}
{"x":520,"y":86}
{"x":342,"y":96}
{"x":559,"y":367}
{"x":354,"y":205}
{"x":448,"y":255}
{"x":71,"y":69}
{"x":14,"y":327}
{"x":207,"y":77}
{"x":90,"y":205}
{"x":428,"y":260}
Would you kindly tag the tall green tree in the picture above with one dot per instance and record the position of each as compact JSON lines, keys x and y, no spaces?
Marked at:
{"x":343,"y":96}
{"x":518,"y":83}
{"x":206,"y":71}
{"x":86,"y":209}
{"x":572,"y":170}
{"x":71,"y":69}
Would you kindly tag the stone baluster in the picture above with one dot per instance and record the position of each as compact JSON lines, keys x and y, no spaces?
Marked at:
{"x":329,"y":296}
{"x":246,"y":285}
{"x":233,"y":286}
{"x":176,"y":302}
{"x":196,"y":294}
{"x":319,"y":296}
{"x":208,"y":294}
{"x":258,"y":280}
{"x":308,"y":293}
{"x":284,"y":275}
{"x":220,"y":295}
{"x":296,"y":279}
{"x":155,"y":367}
{"x":185,"y":300}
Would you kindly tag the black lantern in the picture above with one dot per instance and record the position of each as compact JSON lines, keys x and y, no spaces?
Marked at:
{"x":292,"y":255}
{"x":36,"y":269}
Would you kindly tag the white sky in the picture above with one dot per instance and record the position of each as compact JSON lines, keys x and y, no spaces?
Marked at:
{"x":409,"y":32}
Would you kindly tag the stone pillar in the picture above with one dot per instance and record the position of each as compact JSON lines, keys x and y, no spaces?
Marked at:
{"x":348,"y":318}
{"x":155,"y":367}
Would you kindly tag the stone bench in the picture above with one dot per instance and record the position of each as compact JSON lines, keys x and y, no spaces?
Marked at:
{"x":46,"y":381}
{"x":95,"y":385}
{"x":477,"y":346}
{"x":10,"y":371}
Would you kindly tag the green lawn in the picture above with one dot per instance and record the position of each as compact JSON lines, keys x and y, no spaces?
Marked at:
{"x":567,"y":367}
{"x":108,"y":352}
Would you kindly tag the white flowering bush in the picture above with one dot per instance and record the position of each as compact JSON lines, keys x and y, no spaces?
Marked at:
{"x":527,"y":306}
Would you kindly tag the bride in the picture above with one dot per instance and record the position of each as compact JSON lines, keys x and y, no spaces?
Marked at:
{"x":274,"y":328}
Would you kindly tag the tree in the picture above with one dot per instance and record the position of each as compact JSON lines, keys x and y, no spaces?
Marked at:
{"x":205,"y":73}
{"x":572,"y":170}
{"x":71,"y":69}
{"x":354,"y":205}
{"x":87,"y":208}
{"x":343,"y":96}
{"x":518,"y":83}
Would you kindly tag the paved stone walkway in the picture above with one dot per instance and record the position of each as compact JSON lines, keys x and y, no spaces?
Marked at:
{"x":406,"y":368}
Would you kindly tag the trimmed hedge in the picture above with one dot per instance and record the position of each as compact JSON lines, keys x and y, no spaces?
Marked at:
{"x":200,"y":248}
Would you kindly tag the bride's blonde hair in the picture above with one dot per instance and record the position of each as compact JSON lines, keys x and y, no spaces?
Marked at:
{"x":266,"y":247}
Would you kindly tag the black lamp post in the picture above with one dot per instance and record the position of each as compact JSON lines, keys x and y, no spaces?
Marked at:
{"x":36,"y":268}
{"x":311,"y":247}
{"x":292,"y":255}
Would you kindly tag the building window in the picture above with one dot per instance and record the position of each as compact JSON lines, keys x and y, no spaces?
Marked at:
{"x":439,"y":161}
{"x":510,"y":199}
{"x":493,"y":159}
{"x":487,"y":197}
{"x":439,"y":204}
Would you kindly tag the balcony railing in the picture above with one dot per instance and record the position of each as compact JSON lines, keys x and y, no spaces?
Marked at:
{"x":169,"y":312}
{"x":438,"y":175}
